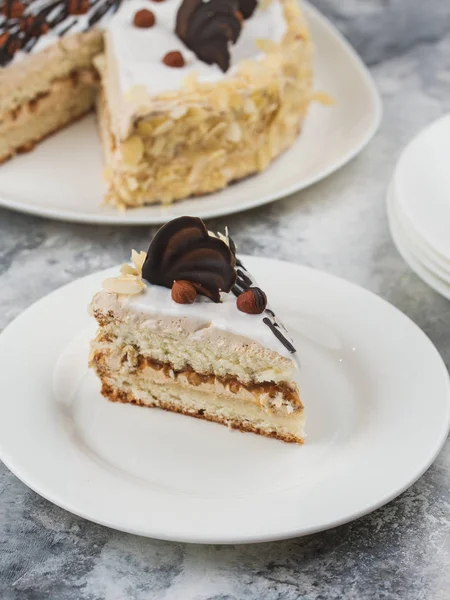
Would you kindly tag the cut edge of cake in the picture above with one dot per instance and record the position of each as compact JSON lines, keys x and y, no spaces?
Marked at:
{"x":47,"y":91}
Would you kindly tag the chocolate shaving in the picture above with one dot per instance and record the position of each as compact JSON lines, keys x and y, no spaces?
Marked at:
{"x":183,"y":250}
{"x":207,"y":28}
{"x":245,"y":278}
{"x":247,"y":7}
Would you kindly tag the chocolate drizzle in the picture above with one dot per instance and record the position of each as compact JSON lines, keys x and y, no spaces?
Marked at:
{"x":243,"y":283}
{"x":183,"y":250}
{"x":207,"y":28}
{"x":23,"y":22}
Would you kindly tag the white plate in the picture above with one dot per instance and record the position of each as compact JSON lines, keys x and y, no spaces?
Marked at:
{"x":61,"y":178}
{"x":422,"y":185}
{"x":420,"y":263}
{"x":366,"y":370}
{"x":420,"y":245}
{"x":417,"y":245}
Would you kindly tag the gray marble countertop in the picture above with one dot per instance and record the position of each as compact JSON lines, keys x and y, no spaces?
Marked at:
{"x":401,"y":551}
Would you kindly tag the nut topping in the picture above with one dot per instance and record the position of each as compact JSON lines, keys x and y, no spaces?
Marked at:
{"x":174,"y":59}
{"x":78,"y":7}
{"x":252,"y":302}
{"x":144,"y":19}
{"x":183,"y":292}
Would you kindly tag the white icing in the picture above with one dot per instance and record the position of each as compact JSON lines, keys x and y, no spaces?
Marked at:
{"x":156,"y":301}
{"x":138,"y":52}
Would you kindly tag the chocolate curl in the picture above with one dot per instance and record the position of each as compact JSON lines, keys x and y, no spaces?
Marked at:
{"x":183,"y":250}
{"x":207,"y":28}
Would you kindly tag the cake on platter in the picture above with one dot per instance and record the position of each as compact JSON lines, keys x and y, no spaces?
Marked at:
{"x":190,"y":95}
{"x":185,"y":328}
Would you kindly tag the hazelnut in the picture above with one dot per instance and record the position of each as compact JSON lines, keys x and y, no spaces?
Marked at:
{"x":174,"y":59}
{"x":78,"y":7}
{"x":144,"y":18}
{"x":252,"y":302}
{"x":12,"y":10}
{"x":183,"y":292}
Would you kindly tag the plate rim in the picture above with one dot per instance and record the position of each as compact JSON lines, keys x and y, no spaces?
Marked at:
{"x":203,"y":537}
{"x":118,"y":218}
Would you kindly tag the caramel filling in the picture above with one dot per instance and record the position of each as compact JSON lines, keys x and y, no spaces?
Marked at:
{"x":270,"y":389}
{"x":82,"y":76}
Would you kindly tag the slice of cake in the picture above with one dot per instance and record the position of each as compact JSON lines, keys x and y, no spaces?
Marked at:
{"x":186,"y":329}
{"x":196,"y":95}
{"x":47,"y":76}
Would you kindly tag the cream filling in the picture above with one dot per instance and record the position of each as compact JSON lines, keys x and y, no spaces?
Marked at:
{"x":72,"y":83}
{"x":198,"y":403}
{"x":270,"y":397}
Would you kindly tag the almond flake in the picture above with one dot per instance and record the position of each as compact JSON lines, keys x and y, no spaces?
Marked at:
{"x":138,"y":259}
{"x":266,"y":45}
{"x":127,"y":269}
{"x":234,"y":133}
{"x":125,"y":284}
{"x":132,"y":150}
{"x":178,"y":112}
{"x":163,"y":128}
{"x":249,"y":106}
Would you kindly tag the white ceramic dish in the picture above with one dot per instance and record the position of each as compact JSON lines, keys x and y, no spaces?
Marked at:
{"x":61,"y":178}
{"x":366,"y":369}
{"x":422,"y":185}
{"x":431,"y":273}
{"x":419,"y":247}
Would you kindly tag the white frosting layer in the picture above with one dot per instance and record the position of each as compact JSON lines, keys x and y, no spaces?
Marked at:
{"x":138,"y":53}
{"x":156,"y":301}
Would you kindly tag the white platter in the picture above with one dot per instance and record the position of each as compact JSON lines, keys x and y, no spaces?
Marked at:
{"x":61,"y":178}
{"x":366,"y":371}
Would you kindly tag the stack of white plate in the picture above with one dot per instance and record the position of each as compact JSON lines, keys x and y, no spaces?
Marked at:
{"x":418,"y":203}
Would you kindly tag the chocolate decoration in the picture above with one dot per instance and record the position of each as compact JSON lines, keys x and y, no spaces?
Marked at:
{"x":247,"y":7}
{"x":183,"y":249}
{"x":207,"y":28}
{"x":23,"y":23}
{"x":274,"y":327}
{"x":253,"y":301}
{"x":244,"y":283}
{"x":260,"y":298}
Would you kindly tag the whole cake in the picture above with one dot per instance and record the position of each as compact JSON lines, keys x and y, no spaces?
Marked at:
{"x":191,"y":95}
{"x":186,"y":329}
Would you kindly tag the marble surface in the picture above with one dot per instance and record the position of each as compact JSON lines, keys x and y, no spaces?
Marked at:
{"x":401,"y":551}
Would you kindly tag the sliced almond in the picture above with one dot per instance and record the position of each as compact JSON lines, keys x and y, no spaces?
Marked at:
{"x":132,"y":150}
{"x":126,"y":284}
{"x":138,"y":259}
